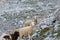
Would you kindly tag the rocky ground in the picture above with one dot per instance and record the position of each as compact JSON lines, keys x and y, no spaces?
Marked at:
{"x":13,"y":14}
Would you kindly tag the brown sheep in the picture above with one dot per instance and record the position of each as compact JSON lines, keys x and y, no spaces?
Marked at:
{"x":28,"y":22}
{"x":14,"y":35}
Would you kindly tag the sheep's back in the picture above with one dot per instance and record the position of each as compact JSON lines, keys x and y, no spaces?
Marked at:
{"x":28,"y":22}
{"x":24,"y":31}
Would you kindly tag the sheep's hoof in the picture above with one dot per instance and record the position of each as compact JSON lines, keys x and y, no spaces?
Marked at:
{"x":30,"y":39}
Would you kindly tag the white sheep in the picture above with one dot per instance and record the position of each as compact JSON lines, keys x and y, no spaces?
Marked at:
{"x":27,"y":31}
{"x":28,"y":22}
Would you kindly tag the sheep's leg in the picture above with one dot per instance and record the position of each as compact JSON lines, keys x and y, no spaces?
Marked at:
{"x":25,"y":38}
{"x":20,"y":38}
{"x":29,"y":37}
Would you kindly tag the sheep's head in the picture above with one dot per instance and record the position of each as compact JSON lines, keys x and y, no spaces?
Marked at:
{"x":35,"y":19}
{"x":7,"y":37}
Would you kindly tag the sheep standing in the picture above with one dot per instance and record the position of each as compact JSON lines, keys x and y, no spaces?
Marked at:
{"x":28,"y":22}
{"x":26,"y":31}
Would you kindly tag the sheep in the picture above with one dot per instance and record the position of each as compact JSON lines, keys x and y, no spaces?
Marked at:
{"x":9,"y":36}
{"x":21,"y":32}
{"x":5,"y":36}
{"x":26,"y":31}
{"x":14,"y":34}
{"x":28,"y":22}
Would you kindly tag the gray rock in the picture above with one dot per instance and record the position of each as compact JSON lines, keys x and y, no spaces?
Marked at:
{"x":56,"y":28}
{"x":35,"y":35}
{"x":48,"y":21}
